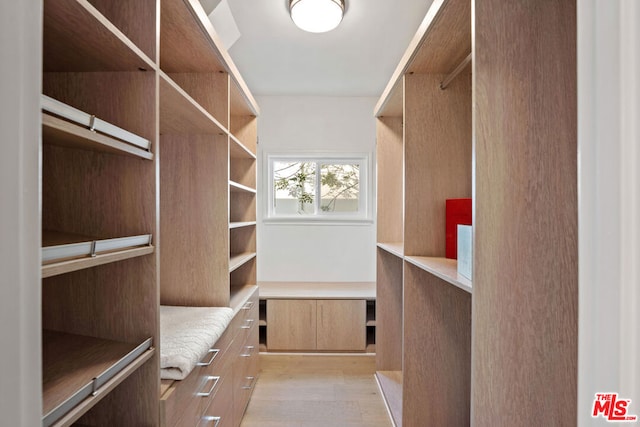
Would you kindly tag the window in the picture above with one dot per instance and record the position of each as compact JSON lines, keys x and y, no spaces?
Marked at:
{"x":318,"y":188}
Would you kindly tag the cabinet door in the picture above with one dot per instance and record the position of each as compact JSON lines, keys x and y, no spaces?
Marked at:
{"x":342,"y":325}
{"x":291,"y":324}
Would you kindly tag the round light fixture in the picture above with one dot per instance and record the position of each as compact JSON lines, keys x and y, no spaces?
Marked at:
{"x":316,"y":16}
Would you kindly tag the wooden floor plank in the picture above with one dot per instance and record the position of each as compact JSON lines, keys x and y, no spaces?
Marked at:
{"x":315,"y":391}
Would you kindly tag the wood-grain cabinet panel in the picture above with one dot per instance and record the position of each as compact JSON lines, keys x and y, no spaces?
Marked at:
{"x":323,"y":325}
{"x":341,"y":325}
{"x":292,"y":324}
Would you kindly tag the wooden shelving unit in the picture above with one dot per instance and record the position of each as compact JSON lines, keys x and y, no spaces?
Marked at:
{"x":425,"y":131}
{"x":190,"y":103}
{"x":207,"y":182}
{"x":462,"y":123}
{"x":99,"y":59}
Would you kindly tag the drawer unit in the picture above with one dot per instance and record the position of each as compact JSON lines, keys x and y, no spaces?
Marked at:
{"x":245,"y":372}
{"x":182,"y":398}
{"x":216,"y":392}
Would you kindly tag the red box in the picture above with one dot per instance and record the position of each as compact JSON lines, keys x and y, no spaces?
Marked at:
{"x":458,"y":212}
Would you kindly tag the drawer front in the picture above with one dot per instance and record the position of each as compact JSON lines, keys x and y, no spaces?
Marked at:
{"x":219,"y":412}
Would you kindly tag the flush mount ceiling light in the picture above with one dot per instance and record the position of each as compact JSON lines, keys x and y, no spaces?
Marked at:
{"x":316,"y":16}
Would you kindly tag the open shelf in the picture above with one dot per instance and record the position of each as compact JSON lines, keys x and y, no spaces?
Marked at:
{"x":371,"y":313}
{"x":233,"y":225}
{"x":239,"y":188}
{"x":188,"y":41}
{"x":57,"y":131}
{"x":238,"y":150}
{"x":240,"y":294}
{"x":77,"y":37}
{"x":444,"y":268}
{"x":390,"y":383}
{"x":79,"y":370}
{"x":190,"y":44}
{"x":396,"y":249}
{"x":238,"y":260}
{"x":181,"y":114}
{"x":67,"y":252}
{"x":446,"y":31}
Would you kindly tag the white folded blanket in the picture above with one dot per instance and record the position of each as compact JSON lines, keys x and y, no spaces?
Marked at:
{"x":186,"y":335}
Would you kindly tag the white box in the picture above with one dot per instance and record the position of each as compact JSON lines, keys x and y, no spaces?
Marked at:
{"x":465,"y":250}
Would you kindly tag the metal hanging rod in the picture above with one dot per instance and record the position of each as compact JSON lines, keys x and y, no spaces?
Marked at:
{"x":455,"y":72}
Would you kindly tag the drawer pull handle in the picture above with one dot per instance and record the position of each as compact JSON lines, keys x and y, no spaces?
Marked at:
{"x":248,"y":353}
{"x":215,"y":383}
{"x":248,"y":305}
{"x":213,"y":352}
{"x":208,"y":420}
{"x":250,"y":322}
{"x":251,"y":380}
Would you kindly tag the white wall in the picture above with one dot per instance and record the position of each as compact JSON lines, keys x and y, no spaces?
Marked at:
{"x":20,"y":361}
{"x":609,"y":203}
{"x":315,"y":252}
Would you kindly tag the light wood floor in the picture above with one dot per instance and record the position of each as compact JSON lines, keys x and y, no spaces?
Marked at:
{"x":316,"y":391}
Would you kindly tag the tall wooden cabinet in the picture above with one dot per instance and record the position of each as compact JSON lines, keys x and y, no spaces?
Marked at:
{"x":148,"y":131}
{"x":473,"y":115}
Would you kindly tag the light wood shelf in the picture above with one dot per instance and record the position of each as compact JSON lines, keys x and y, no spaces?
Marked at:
{"x":181,"y":114}
{"x":66,"y":265}
{"x":238,"y":260}
{"x":238,"y":150}
{"x":84,"y":368}
{"x":77,"y":37}
{"x":396,"y":249}
{"x":444,"y":268}
{"x":390,"y":383}
{"x":239,"y":188}
{"x":234,"y":225}
{"x":240,"y":295}
{"x":57,"y":131}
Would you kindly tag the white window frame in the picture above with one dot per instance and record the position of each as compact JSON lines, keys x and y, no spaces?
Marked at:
{"x":365,"y":211}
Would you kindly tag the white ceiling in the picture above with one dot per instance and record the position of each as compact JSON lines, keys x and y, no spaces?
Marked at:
{"x":356,"y":59}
